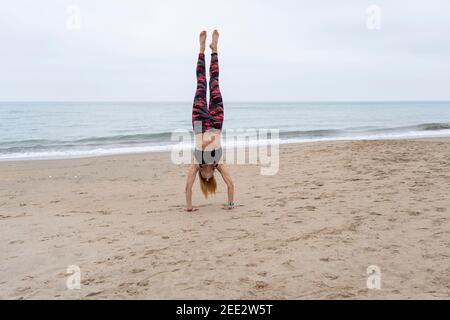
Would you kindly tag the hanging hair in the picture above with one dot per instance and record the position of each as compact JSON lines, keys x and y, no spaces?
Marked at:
{"x":207,"y":186}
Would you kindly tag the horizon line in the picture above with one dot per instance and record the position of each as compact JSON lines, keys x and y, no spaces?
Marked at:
{"x":231,"y":101}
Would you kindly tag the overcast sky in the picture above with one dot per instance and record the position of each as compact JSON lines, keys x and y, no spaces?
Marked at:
{"x":287,"y":50}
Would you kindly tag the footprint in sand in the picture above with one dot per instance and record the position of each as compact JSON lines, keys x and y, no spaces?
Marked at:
{"x":330,"y":276}
{"x":287,"y":264}
{"x":261,"y":285}
{"x":137,"y":270}
{"x":308,"y":208}
{"x":16,"y":242}
{"x":145,"y":233}
{"x":93,"y":294}
{"x":143,"y":283}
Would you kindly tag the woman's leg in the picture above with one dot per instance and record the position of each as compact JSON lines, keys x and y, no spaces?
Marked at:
{"x":215,"y":102}
{"x":200,"y":115}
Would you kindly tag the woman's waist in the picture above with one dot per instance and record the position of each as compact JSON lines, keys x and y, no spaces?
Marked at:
{"x":208,"y":156}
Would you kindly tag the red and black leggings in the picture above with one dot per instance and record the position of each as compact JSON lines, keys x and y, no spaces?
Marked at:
{"x":204,"y":118}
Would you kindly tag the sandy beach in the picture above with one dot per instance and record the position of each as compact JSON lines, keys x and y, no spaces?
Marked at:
{"x":309,"y":232}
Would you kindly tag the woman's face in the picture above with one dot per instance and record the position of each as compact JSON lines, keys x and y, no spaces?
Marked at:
{"x":207,"y":171}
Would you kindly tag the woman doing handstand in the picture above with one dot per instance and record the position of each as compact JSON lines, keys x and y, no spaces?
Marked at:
{"x":207,"y":123}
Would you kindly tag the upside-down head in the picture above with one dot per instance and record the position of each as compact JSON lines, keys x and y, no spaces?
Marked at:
{"x":208,"y":182}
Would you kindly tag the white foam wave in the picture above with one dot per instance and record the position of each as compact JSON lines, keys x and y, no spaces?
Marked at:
{"x":74,"y":153}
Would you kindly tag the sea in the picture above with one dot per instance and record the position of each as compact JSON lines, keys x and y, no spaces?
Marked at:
{"x":55,"y":130}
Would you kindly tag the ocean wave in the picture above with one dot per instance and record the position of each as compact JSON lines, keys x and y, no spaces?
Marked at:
{"x":133,"y":138}
{"x":76,"y":153}
{"x":434,"y":126}
{"x":89,"y":141}
{"x":161,"y":141}
{"x":365,"y":130}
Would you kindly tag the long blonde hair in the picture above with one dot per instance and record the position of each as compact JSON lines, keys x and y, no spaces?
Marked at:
{"x":207,"y":186}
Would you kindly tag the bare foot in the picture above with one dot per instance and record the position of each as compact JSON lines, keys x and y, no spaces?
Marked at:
{"x":215,"y":39}
{"x":202,"y":41}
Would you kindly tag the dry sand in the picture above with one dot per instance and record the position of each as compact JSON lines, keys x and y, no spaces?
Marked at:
{"x":308,"y":232}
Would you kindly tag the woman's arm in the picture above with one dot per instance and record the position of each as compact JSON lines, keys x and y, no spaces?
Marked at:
{"x":229,"y":182}
{"x":193,"y":169}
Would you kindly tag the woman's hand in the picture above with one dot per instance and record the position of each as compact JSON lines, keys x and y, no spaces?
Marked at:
{"x":229,"y":206}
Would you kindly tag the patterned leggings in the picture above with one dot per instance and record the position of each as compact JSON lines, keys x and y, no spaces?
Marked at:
{"x":204,"y":118}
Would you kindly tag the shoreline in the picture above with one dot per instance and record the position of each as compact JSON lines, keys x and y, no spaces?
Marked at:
{"x":308,"y":232}
{"x":168,"y":147}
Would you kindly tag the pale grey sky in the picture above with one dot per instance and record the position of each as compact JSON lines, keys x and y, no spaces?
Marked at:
{"x":287,"y":50}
